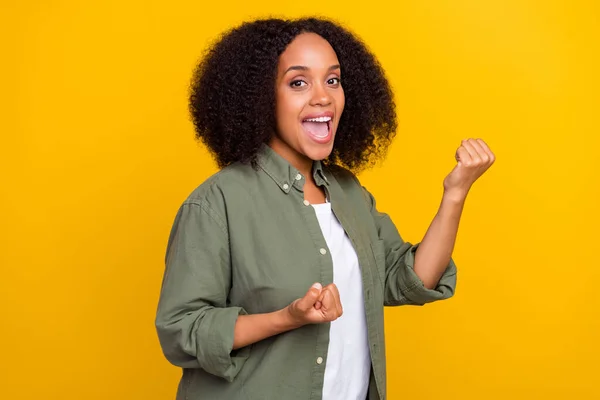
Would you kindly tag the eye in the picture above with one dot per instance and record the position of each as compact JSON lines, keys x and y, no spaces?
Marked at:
{"x":297,"y":83}
{"x":333,"y":81}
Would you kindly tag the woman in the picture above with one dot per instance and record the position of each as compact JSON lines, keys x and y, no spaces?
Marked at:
{"x":278,"y":266}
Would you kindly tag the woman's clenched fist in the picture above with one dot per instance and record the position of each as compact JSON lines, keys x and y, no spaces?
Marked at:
{"x":319,"y":304}
{"x":473,"y":158}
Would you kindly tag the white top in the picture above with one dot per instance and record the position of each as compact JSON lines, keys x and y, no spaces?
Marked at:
{"x":348,"y":358}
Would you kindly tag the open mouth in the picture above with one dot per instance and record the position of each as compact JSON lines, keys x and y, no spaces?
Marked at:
{"x":319,"y":129}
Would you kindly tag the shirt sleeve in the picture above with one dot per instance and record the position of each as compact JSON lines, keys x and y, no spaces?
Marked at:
{"x":194,"y":321}
{"x":402,"y":285}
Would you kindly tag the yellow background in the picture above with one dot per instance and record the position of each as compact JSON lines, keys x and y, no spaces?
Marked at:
{"x":97,"y":153}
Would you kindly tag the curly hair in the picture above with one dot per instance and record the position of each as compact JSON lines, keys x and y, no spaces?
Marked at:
{"x":234,"y":115}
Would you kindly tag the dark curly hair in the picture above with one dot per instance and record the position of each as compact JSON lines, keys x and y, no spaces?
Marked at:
{"x":234,"y":115}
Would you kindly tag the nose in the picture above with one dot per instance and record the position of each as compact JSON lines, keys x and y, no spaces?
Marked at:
{"x":320,"y":96}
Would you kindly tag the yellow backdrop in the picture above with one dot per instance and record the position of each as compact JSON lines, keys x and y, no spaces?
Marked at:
{"x":97,"y":153}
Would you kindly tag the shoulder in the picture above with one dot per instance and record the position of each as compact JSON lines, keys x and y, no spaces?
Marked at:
{"x":232,"y":181}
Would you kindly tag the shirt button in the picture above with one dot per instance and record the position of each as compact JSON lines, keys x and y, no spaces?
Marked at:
{"x":285,"y":186}
{"x":323,"y":251}
{"x":320,"y":360}
{"x":298,"y":177}
{"x":306,"y":203}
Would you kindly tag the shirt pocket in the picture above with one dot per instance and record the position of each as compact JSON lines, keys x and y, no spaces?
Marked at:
{"x":378,"y":250}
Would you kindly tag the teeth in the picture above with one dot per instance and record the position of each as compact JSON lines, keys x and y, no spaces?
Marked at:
{"x":320,"y":119}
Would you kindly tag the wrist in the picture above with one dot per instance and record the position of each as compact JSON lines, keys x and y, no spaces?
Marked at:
{"x":287,"y":320}
{"x":455,"y":195}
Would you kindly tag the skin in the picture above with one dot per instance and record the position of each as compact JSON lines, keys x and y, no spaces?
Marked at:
{"x":314,"y":88}
{"x":308,"y":83}
{"x":473,"y":158}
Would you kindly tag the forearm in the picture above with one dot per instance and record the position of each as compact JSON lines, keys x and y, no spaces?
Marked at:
{"x":319,"y":305}
{"x":435,"y":250}
{"x":254,"y":328}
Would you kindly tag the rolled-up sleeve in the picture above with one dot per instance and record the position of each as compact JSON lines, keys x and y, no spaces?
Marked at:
{"x":402,"y":285}
{"x":194,"y":321}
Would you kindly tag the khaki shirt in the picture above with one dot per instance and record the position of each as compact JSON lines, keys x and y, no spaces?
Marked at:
{"x":245,"y":242}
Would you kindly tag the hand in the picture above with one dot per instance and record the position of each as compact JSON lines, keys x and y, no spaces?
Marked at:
{"x":319,"y":304}
{"x":474,"y":157}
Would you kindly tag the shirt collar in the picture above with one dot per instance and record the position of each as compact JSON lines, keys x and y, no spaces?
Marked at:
{"x":283,"y":173}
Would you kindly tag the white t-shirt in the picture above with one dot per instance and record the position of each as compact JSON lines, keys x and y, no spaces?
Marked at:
{"x":348,"y":357}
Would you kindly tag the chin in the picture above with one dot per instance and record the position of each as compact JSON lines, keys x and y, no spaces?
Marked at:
{"x":318,"y":152}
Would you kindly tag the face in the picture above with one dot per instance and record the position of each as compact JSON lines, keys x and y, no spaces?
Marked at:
{"x":309,"y":100}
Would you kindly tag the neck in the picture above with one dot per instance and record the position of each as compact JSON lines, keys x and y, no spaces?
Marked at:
{"x":299,"y":161}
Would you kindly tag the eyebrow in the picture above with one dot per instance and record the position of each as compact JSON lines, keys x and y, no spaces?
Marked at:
{"x":303,"y":68}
